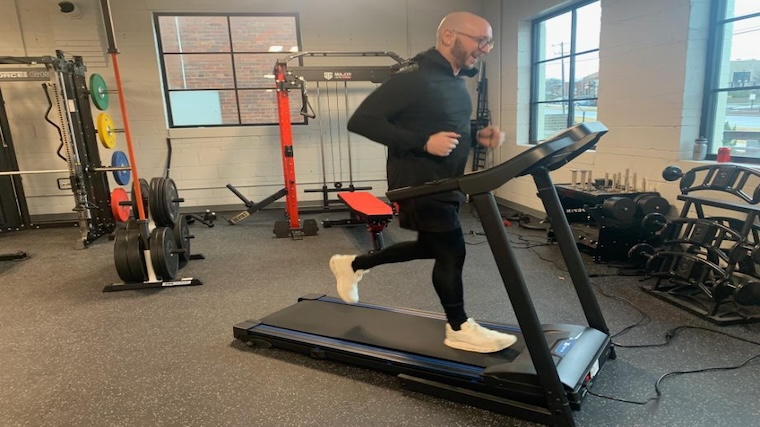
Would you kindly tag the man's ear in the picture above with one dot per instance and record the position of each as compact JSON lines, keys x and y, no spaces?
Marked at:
{"x":447,"y":38}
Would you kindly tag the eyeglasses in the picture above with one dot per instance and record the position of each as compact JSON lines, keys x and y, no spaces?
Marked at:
{"x":481,"y":41}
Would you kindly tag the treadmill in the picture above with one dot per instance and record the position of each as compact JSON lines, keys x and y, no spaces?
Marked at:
{"x":542,"y":377}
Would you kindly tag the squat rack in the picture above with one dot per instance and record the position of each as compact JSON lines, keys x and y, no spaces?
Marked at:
{"x":296,"y":79}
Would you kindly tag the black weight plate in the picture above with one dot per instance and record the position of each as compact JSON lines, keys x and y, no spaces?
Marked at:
{"x":136,"y":256}
{"x":120,"y":255}
{"x":653,"y":204}
{"x":281,"y":229}
{"x":182,"y":238}
{"x":164,"y":220}
{"x":620,"y":208}
{"x":145,"y":190}
{"x":162,"y":253}
{"x":155,"y":202}
{"x":163,"y":216}
{"x":654,"y":222}
{"x":171,"y":200}
{"x":132,"y":224}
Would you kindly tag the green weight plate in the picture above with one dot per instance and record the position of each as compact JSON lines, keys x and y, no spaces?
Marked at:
{"x":99,"y":92}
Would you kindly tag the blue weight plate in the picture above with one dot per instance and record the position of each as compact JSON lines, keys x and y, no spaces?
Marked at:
{"x":119,"y":159}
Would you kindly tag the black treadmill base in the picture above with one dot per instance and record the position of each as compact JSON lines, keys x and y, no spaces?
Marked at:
{"x":503,"y":382}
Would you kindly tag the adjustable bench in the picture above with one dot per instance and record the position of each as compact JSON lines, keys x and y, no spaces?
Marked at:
{"x":364,"y":208}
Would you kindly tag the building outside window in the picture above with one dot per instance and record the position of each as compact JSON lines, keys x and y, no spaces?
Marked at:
{"x":731,"y":109}
{"x":218,"y":69}
{"x":565,"y":69}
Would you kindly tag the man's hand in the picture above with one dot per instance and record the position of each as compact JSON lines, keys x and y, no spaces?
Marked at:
{"x":491,"y":137}
{"x":441,"y":144}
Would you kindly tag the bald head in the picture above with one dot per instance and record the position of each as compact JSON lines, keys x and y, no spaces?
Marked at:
{"x":461,"y":21}
{"x":462,"y":38}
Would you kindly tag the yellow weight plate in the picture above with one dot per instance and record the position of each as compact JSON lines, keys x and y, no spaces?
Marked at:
{"x":106,"y":130}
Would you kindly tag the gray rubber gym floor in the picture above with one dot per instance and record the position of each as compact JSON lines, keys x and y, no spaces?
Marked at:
{"x":72,"y":355}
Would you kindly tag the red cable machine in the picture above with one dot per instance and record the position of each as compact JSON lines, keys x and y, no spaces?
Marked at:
{"x":285,"y":81}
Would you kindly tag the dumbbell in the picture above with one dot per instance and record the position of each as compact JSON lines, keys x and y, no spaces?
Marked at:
{"x":619,"y":208}
{"x":640,"y":253}
{"x":653,"y":222}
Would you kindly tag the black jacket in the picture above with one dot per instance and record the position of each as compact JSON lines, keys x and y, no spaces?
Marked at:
{"x":409,"y":107}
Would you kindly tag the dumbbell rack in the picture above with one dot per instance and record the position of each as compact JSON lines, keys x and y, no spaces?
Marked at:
{"x":706,"y":263}
{"x":608,"y":223}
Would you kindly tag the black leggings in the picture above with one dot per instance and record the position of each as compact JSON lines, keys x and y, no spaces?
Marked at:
{"x":448,"y":250}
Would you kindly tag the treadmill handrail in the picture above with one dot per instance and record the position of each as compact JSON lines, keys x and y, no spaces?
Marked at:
{"x":551,"y":154}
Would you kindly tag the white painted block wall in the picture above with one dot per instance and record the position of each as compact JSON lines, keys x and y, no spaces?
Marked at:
{"x":204,"y":161}
{"x":651,"y":71}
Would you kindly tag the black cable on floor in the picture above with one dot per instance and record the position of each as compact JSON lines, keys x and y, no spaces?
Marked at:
{"x":669,"y":335}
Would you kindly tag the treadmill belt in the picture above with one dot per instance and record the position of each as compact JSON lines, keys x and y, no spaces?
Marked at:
{"x":381,"y":328}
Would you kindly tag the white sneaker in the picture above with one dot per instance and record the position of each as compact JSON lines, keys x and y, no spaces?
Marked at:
{"x":347,"y":279}
{"x":473,"y":337}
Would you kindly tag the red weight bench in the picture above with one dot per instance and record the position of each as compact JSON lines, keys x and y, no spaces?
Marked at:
{"x":366,"y":209}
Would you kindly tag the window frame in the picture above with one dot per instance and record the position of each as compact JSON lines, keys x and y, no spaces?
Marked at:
{"x":536,"y":48}
{"x":228,"y":54}
{"x":712,"y":89}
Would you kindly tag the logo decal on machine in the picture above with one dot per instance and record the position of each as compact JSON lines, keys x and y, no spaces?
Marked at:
{"x":563,"y":347}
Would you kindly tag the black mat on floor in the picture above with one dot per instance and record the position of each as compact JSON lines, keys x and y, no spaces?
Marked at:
{"x":72,"y":355}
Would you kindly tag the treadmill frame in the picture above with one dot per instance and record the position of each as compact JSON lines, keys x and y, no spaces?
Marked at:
{"x":553,"y":406}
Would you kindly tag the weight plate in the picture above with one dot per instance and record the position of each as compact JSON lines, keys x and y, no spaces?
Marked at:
{"x":136,"y":256}
{"x":182,"y":238}
{"x":106,"y":130}
{"x":120,"y":212}
{"x":118,"y":160}
{"x":132,"y":224}
{"x":653,"y":204}
{"x":654,"y":222}
{"x":619,"y":208}
{"x":157,"y":208}
{"x":163,"y":253}
{"x":145,"y":193}
{"x":170,"y":198}
{"x":120,"y":255}
{"x":98,"y":92}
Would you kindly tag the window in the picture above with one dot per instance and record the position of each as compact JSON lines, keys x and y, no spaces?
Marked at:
{"x":217,"y":69}
{"x":731,"y":109}
{"x":565,"y":69}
